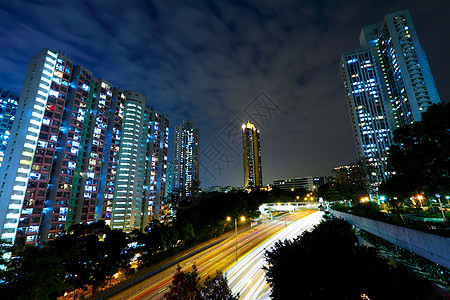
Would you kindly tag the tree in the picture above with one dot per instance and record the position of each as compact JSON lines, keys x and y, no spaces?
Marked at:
{"x":185,"y":285}
{"x":420,"y":160}
{"x":327,"y":263}
{"x":37,"y":273}
{"x":350,"y":184}
{"x":216,"y":288}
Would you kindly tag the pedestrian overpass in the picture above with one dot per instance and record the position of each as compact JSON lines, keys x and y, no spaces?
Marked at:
{"x":268,"y":209}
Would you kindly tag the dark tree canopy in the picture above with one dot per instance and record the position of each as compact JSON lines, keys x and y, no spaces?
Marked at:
{"x":186,"y":286}
{"x":421,"y":156}
{"x":328,"y":264}
{"x":87,"y":255}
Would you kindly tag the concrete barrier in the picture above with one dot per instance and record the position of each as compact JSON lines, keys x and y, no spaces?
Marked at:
{"x":432,"y":247}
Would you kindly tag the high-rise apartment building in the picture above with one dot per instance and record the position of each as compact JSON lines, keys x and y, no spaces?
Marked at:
{"x":8,"y":107}
{"x":388,"y":84}
{"x":169,"y":180}
{"x":186,"y":159}
{"x":252,"y":156}
{"x":142,"y":166}
{"x":157,"y":149}
{"x":370,"y":122}
{"x":63,"y":159}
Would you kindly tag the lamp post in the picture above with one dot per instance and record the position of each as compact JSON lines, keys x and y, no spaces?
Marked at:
{"x":438,"y":196}
{"x":235,"y":232}
{"x":420,"y":198}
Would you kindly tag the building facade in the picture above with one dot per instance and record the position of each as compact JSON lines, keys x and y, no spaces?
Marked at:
{"x":169,"y":180}
{"x":63,"y":159}
{"x":372,"y":130}
{"x":186,"y":159}
{"x":252,"y":156}
{"x":289,"y":184}
{"x":8,"y":107}
{"x":388,"y":84}
{"x":142,"y":166}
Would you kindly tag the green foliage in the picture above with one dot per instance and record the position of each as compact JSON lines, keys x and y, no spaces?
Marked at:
{"x":367,"y":209}
{"x":87,"y":255}
{"x":351,"y":185}
{"x":216,"y":288}
{"x":4,"y":249}
{"x":36,"y":274}
{"x":186,"y":285}
{"x":421,"y":159}
{"x":328,"y":264}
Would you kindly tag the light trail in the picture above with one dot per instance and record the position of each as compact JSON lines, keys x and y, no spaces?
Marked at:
{"x":247,"y":277}
{"x":220,"y":257}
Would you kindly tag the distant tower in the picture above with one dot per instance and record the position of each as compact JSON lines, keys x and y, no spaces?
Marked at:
{"x":186,"y":157}
{"x":252,"y":156}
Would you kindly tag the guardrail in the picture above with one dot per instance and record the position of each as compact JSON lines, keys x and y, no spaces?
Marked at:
{"x":432,"y":247}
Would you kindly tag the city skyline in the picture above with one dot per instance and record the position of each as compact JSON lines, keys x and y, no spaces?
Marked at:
{"x":214,"y":75}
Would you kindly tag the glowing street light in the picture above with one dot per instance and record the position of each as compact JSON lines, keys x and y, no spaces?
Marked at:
{"x":420,"y":198}
{"x":235,"y":231}
{"x":438,"y":196}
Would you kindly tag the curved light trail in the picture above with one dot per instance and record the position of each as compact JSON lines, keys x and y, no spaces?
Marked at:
{"x":252,"y":243}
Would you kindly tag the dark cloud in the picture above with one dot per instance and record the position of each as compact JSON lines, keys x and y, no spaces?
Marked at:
{"x":208,"y":60}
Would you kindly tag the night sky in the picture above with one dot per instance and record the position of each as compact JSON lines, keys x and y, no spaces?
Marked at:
{"x":219,"y":63}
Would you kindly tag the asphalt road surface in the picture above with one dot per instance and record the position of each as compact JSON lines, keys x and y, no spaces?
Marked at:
{"x":245,"y":276}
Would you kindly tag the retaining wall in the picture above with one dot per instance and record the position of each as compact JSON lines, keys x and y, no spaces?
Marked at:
{"x":433,"y":247}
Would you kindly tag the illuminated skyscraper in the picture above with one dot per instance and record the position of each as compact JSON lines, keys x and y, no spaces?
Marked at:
{"x":252,"y":156}
{"x":186,"y":158}
{"x":38,"y":144}
{"x":142,"y":166}
{"x":388,"y":84}
{"x":8,"y":107}
{"x":370,"y":122}
{"x":156,"y":157}
{"x":62,"y":161}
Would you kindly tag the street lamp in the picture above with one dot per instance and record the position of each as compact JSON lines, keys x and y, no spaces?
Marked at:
{"x":235,"y":231}
{"x":438,"y":196}
{"x":420,"y":198}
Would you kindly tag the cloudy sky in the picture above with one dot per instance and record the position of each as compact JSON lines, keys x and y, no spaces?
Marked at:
{"x":220,"y":63}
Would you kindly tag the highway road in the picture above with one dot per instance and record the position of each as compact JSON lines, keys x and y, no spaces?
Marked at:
{"x":222,"y":256}
{"x":246,"y":277}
